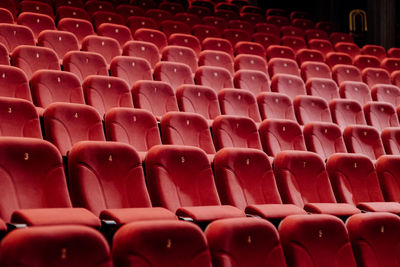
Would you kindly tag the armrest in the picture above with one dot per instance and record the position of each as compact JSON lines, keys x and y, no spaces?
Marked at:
{"x":209,"y":213}
{"x":274,"y":211}
{"x":126,"y":215}
{"x":392,"y":207}
{"x":336,"y":209}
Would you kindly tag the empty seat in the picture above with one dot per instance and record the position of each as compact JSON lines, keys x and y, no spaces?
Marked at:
{"x":14,"y":83}
{"x":240,"y":103}
{"x":240,"y":24}
{"x":311,"y":109}
{"x":6,"y":16}
{"x":357,"y":91}
{"x":288,"y":84}
{"x":12,"y":35}
{"x":105,"y":46}
{"x":185,"y":168}
{"x":303,"y":180}
{"x":306,"y":55}
{"x":83,"y":64}
{"x":390,"y":64}
{"x":189,"y":19}
{"x":218,"y":22}
{"x":358,"y":174}
{"x":60,"y":41}
{"x":216,"y":58}
{"x":136,"y":127}
{"x":170,"y":27}
{"x":387,"y":168}
{"x":277,"y":20}
{"x":226,"y":14}
{"x":348,"y":48}
{"x":138,"y":22}
{"x":283,"y":66}
{"x":364,"y":140}
{"x":173,"y":73}
{"x":372,"y":76}
{"x":342,"y":73}
{"x":374,"y":50}
{"x":235,"y":131}
{"x":394,"y":52}
{"x":316,"y":240}
{"x":265,"y":39}
{"x":200,"y":11}
{"x":280,"y":52}
{"x":141,"y":49}
{"x":104,"y":93}
{"x":120,"y":33}
{"x":337,"y":37}
{"x":36,"y":7}
{"x":68,"y":123}
{"x":316,"y":34}
{"x":144,"y":4}
{"x":98,"y":5}
{"x":380,"y":115}
{"x":303,"y":23}
{"x":365,"y":61}
{"x":217,"y":44}
{"x":386,"y":93}
{"x":4,"y":55}
{"x":117,"y":171}
{"x":154,"y":96}
{"x":251,"y":80}
{"x":275,"y":106}
{"x":251,"y":48}
{"x":129,"y":10}
{"x":326,"y":26}
{"x":153,"y":36}
{"x":315,"y":70}
{"x":130,"y":69}
{"x":180,"y":54}
{"x":226,"y":238}
{"x":250,"y":62}
{"x":205,"y":31}
{"x":324,"y":46}
{"x":31,"y":58}
{"x":296,"y":43}
{"x":346,"y":112}
{"x":74,"y":12}
{"x":188,"y":129}
{"x":178,"y":243}
{"x":32,"y":163}
{"x":325,"y":88}
{"x":158,"y":15}
{"x":267,"y":28}
{"x":214,"y":77}
{"x":185,"y":40}
{"x":81,"y":28}
{"x":324,"y":138}
{"x":19,"y":118}
{"x":279,"y":135}
{"x":36,"y":22}
{"x":100,"y":17}
{"x":49,"y":86}
{"x":395,"y":77}
{"x":62,"y":245}
{"x":335,"y":58}
{"x":173,"y":8}
{"x":292,"y":31}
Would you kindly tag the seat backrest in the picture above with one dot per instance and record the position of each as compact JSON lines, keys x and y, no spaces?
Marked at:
{"x":374,"y":50}
{"x":42,"y":246}
{"x":372,"y":76}
{"x":250,"y":62}
{"x":348,"y":48}
{"x":309,"y":55}
{"x":279,"y":135}
{"x":33,"y":176}
{"x":324,"y":138}
{"x":214,"y":77}
{"x":83,"y":64}
{"x":105,"y":46}
{"x":185,"y":40}
{"x":324,"y":46}
{"x":116,"y":175}
{"x":216,"y":58}
{"x":315,"y":70}
{"x":357,"y":91}
{"x":205,"y":31}
{"x":72,"y":11}
{"x":173,"y":26}
{"x":131,"y":69}
{"x":380,"y":115}
{"x":316,"y":240}
{"x":142,"y":49}
{"x":236,"y":35}
{"x":154,"y":96}
{"x":335,"y":58}
{"x":153,"y":36}
{"x":49,"y":86}
{"x":4,"y":55}
{"x":6,"y":15}
{"x":250,"y":48}
{"x":283,"y":66}
{"x":60,"y":41}
{"x":13,"y":35}
{"x":316,"y":34}
{"x":100,"y":17}
{"x":235,"y":131}
{"x":387,"y":168}
{"x":104,"y":93}
{"x":353,"y":178}
{"x":346,"y":112}
{"x":366,"y":61}
{"x":238,"y":102}
{"x":280,"y":52}
{"x":296,"y":43}
{"x":36,"y":22}
{"x":120,"y":33}
{"x":311,"y":109}
{"x":225,"y":239}
{"x":253,"y":81}
{"x":185,"y":55}
{"x":33,"y":58}
{"x":342,"y":73}
{"x":324,"y":88}
{"x":337,"y":37}
{"x":173,"y":73}
{"x":265,"y":39}
{"x":14,"y":83}
{"x":391,"y":140}
{"x":288,"y":84}
{"x":245,"y":177}
{"x":390,"y":64}
{"x":67,"y":123}
{"x":292,"y":31}
{"x":188,"y":129}
{"x":137,"y":22}
{"x":275,"y":106}
{"x":176,"y":242}
{"x":81,"y":28}
{"x":183,"y":169}
{"x":19,"y":118}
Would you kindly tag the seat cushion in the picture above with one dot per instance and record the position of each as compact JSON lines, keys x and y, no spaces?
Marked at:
{"x":127,"y":215}
{"x":336,"y":209}
{"x":209,"y":213}
{"x":392,"y":207}
{"x":274,"y":211}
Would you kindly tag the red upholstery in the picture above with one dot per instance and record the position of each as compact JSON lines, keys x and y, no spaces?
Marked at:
{"x":335,"y":58}
{"x":372,"y":76}
{"x":157,"y":97}
{"x":306,"y":55}
{"x":316,"y":240}
{"x":275,"y":106}
{"x":374,"y":50}
{"x":173,"y":7}
{"x":358,"y":174}
{"x":292,"y":31}
{"x":337,"y":37}
{"x":290,"y":85}
{"x":36,"y":22}
{"x":326,"y":26}
{"x":6,"y":15}
{"x":153,"y":36}
{"x":245,"y":179}
{"x":348,"y":48}
{"x":380,"y":115}
{"x":200,"y":11}
{"x":394,"y":52}
{"x":283,"y":66}
{"x":205,"y":31}
{"x":56,"y":246}
{"x":72,"y":11}
{"x":315,"y":70}
{"x":280,"y":51}
{"x":391,"y":140}
{"x":316,"y":34}
{"x":311,"y":109}
{"x":342,"y":73}
{"x":303,"y":180}
{"x":180,"y":54}
{"x":216,"y":58}
{"x":14,"y":83}
{"x":98,"y":5}
{"x":279,"y":135}
{"x":239,"y":103}
{"x":66,"y":124}
{"x":395,"y":77}
{"x":236,"y":35}
{"x":346,"y":112}
{"x":251,"y":48}
{"x":278,"y":20}
{"x":214,"y":77}
{"x":120,"y":33}
{"x":99,"y":17}
{"x":36,"y":6}
{"x":324,"y":46}
{"x":364,"y":140}
{"x":141,"y":49}
{"x":188,"y":18}
{"x":172,"y":26}
{"x":218,"y":22}
{"x":178,"y":243}
{"x":324,"y":88}
{"x":173,"y":73}
{"x":235,"y":131}
{"x":267,"y":28}
{"x":303,"y":23}
{"x":185,"y":40}
{"x":131,"y":69}
{"x":365,"y":61}
{"x":390,"y":64}
{"x":228,"y":244}
{"x":296,"y":43}
{"x":265,"y":39}
{"x":158,"y":15}
{"x":324,"y":139}
{"x":104,"y":93}
{"x":84,"y":64}
{"x":31,"y":59}
{"x":60,"y":41}
{"x":250,"y":62}
{"x":387,"y":168}
{"x":4,"y":55}
{"x":251,"y":80}
{"x":142,"y":132}
{"x":19,"y":118}
{"x":186,"y":171}
{"x":217,"y":44}
{"x":357,"y":91}
{"x":105,"y":46}
{"x":81,"y":28}
{"x":137,"y":22}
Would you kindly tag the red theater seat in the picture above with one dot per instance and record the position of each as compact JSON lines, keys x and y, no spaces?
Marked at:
{"x":105,"y":46}
{"x":216,"y":59}
{"x":348,"y":48}
{"x":250,"y":62}
{"x":81,"y":28}
{"x":275,"y":106}
{"x":280,"y":52}
{"x":173,"y":73}
{"x":343,"y":73}
{"x":283,"y":66}
{"x":325,"y":88}
{"x":387,"y":168}
{"x":239,"y":103}
{"x":185,"y":40}
{"x":141,"y":49}
{"x":374,"y":50}
{"x":36,"y":22}
{"x":372,"y":76}
{"x":311,"y":109}
{"x":380,"y":115}
{"x":251,"y":80}
{"x":83,"y":64}
{"x":131,"y":69}
{"x":214,"y":77}
{"x":366,"y":61}
{"x":217,"y":44}
{"x":60,"y":41}
{"x":152,"y":36}
{"x":357,"y":91}
{"x":14,"y":83}
{"x":315,"y":70}
{"x":346,"y":112}
{"x":120,"y":33}
{"x":337,"y":37}
{"x":335,"y":58}
{"x":324,"y":46}
{"x":12,"y":35}
{"x":179,"y":54}
{"x":391,"y":140}
{"x":290,"y":85}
